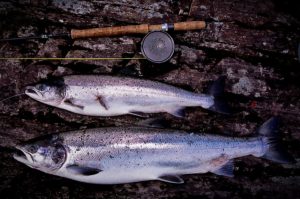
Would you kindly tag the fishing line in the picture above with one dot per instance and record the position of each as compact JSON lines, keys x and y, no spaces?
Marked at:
{"x":17,"y":95}
{"x":69,"y":58}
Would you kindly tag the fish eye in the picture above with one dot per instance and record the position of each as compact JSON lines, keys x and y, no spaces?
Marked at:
{"x":32,"y":149}
{"x":41,"y":87}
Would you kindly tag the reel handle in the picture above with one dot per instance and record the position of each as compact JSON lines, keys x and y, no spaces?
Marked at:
{"x":134,"y":29}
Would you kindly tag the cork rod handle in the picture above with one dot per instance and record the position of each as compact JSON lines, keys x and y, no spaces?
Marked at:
{"x":110,"y":31}
{"x":133,"y":29}
{"x":190,"y":25}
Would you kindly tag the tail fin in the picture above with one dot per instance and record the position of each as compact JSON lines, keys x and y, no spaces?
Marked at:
{"x":217,"y":91}
{"x":275,"y":151}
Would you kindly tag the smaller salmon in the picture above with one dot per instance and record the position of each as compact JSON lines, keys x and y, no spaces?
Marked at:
{"x":98,"y":95}
{"x":133,"y":154}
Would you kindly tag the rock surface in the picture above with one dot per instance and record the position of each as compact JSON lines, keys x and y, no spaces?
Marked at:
{"x":253,"y":43}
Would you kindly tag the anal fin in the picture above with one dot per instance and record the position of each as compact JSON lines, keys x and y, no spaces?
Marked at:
{"x":176,"y":111}
{"x":175,"y":179}
{"x":225,"y":170}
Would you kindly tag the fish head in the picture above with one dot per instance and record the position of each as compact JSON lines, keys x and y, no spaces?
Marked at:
{"x":46,"y":154}
{"x":50,"y":92}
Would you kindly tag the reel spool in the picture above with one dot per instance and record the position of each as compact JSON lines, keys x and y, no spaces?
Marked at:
{"x":158,"y":46}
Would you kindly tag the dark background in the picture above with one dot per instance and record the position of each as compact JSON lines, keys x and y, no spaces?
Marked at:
{"x":254,"y":43}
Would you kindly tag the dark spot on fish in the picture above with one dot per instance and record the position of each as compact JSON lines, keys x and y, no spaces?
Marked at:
{"x":190,"y":142}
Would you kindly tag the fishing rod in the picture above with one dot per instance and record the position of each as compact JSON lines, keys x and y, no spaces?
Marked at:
{"x":157,"y":46}
{"x":119,"y":31}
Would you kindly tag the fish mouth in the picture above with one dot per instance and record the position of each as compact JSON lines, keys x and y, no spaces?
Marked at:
{"x":32,"y":92}
{"x":23,"y":156}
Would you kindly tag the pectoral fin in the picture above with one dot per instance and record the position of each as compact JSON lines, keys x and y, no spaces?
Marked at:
{"x":80,"y":170}
{"x":71,"y":102}
{"x":225,"y":170}
{"x":171,"y":179}
{"x":102,"y":102}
